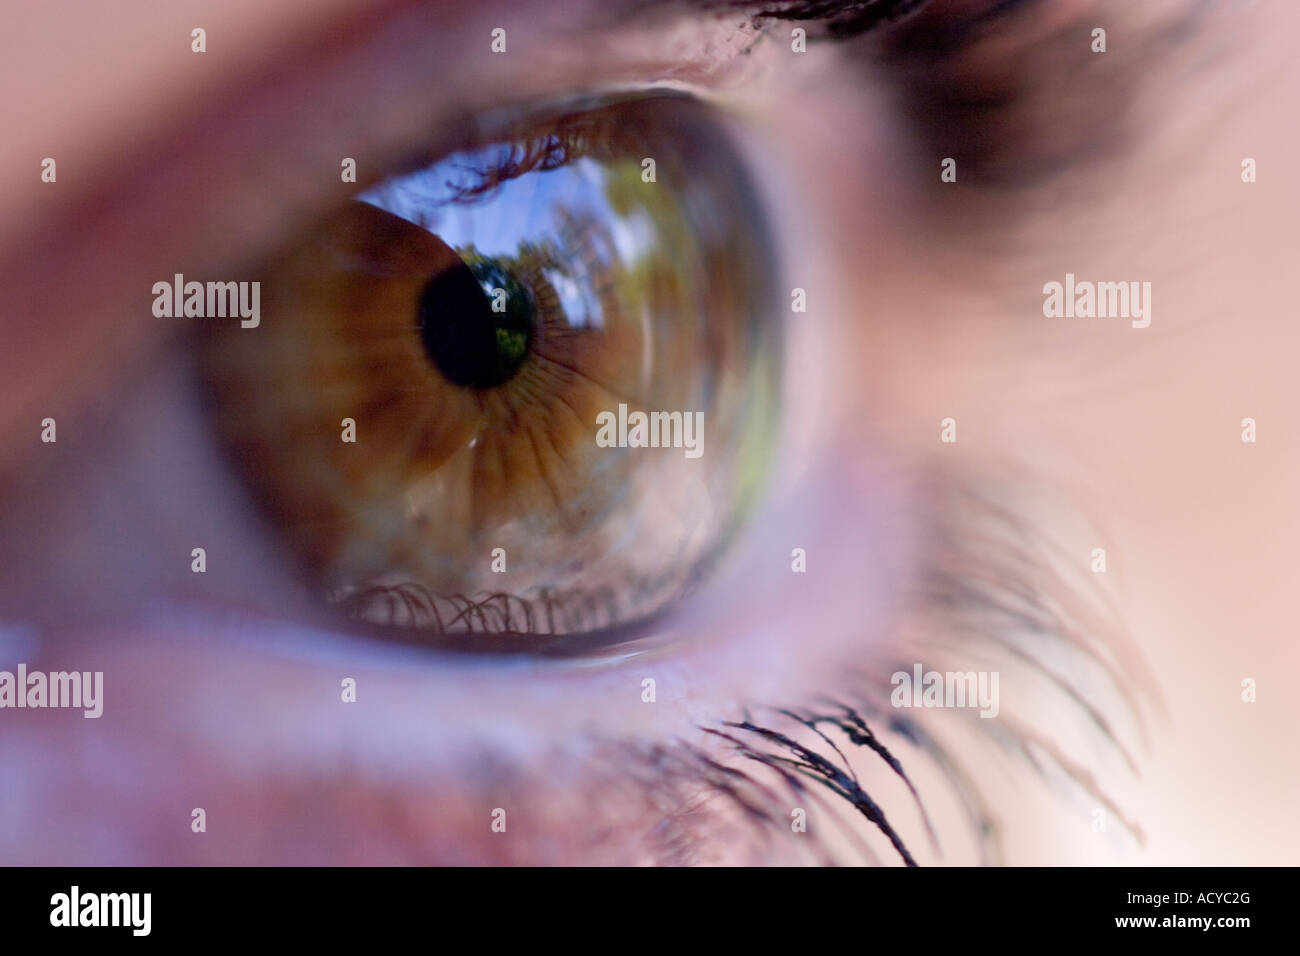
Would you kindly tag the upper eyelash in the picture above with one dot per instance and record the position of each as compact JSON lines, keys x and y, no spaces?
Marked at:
{"x":840,"y":18}
{"x":735,"y":805}
{"x":803,"y":750}
{"x":838,"y":777}
{"x":817,"y":758}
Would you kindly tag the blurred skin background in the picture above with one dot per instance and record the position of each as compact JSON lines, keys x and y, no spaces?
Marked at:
{"x":925,"y":302}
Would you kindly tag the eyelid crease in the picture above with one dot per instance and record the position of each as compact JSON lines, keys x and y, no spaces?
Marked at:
{"x":1013,"y":91}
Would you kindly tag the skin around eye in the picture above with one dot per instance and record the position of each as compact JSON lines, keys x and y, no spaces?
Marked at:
{"x":528,"y":389}
{"x":927,"y":317}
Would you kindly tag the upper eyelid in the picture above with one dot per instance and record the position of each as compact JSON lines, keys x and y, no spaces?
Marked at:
{"x":226,"y":185}
{"x":1013,"y":90}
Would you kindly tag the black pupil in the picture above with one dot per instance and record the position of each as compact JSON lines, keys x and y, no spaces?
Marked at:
{"x":470,"y":343}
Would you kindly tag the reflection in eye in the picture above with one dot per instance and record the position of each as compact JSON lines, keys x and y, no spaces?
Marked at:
{"x":476,"y":319}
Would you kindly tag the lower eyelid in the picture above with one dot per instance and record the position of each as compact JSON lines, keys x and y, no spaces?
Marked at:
{"x":740,"y":648}
{"x":238,"y":713}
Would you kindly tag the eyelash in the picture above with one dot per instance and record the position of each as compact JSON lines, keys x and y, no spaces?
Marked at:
{"x":804,"y":760}
{"x":579,"y":624}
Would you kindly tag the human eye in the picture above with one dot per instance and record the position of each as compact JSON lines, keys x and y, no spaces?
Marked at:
{"x":520,"y":397}
{"x":388,"y":538}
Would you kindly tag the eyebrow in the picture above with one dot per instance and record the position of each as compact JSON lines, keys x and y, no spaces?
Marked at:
{"x":836,"y":18}
{"x":1011,"y":89}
